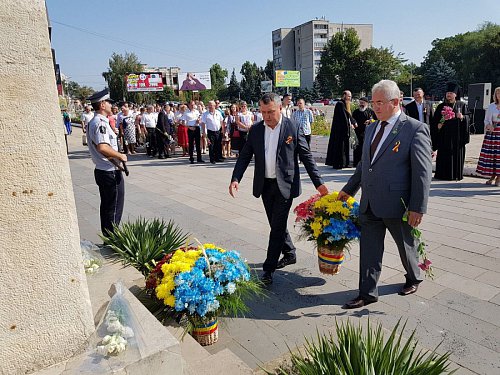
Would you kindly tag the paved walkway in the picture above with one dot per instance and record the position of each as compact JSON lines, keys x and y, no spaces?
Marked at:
{"x":460,"y":308}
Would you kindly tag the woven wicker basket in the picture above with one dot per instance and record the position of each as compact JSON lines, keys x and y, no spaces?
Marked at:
{"x":206,"y":333}
{"x":330,"y":259}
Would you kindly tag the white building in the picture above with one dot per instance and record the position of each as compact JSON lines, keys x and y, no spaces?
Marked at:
{"x":300,"y":47}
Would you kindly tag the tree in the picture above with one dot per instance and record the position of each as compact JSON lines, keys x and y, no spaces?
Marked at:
{"x":250,"y":82}
{"x":233,"y":88}
{"x":374,"y":65}
{"x":269,"y":72}
{"x":436,"y":76}
{"x":336,"y":58}
{"x":79,"y":92}
{"x":119,"y":66}
{"x":218,"y":77}
{"x":473,"y":56}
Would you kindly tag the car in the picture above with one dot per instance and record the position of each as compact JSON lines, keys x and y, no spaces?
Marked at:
{"x":324,"y":101}
{"x":407,"y":100}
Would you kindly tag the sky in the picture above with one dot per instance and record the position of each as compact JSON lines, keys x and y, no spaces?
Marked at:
{"x":194,"y":35}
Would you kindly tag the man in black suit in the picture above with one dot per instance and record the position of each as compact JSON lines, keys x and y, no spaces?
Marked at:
{"x":276,"y":142}
{"x":164,"y":131}
{"x":419,"y":109}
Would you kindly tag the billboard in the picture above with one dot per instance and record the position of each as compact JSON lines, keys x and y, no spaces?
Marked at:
{"x":140,"y":82}
{"x":266,"y":86}
{"x":195,"y":81}
{"x":287,"y":78}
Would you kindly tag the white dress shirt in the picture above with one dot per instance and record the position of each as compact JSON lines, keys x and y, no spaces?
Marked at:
{"x":190,"y":117}
{"x":387,"y":130}
{"x":149,"y":120}
{"x":271,"y":139}
{"x":213,"y":121}
{"x":420,"y":109}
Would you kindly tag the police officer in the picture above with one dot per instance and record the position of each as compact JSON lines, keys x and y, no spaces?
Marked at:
{"x":103,"y":146}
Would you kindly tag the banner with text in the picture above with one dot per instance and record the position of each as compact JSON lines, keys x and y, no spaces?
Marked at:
{"x":287,"y":78}
{"x":140,"y":82}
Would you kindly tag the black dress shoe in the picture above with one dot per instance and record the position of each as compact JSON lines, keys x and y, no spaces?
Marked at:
{"x":286,"y":261}
{"x":358,"y":302}
{"x":408,"y":289}
{"x":212,"y":162}
{"x":161,"y":157}
{"x":267,"y":278}
{"x":191,"y":162}
{"x":200,"y":161}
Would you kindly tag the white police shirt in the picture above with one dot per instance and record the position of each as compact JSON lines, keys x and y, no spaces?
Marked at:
{"x":99,"y":131}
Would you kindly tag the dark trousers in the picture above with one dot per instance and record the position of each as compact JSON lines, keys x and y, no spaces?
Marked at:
{"x":194,"y":136}
{"x":151,"y":141}
{"x":161,"y":144}
{"x":243,"y":140}
{"x":373,"y":231}
{"x":112,"y":192}
{"x":277,"y":210}
{"x":358,"y":151}
{"x":215,"y":145}
{"x":308,"y":140}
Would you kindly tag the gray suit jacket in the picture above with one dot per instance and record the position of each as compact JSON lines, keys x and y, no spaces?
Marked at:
{"x":402,"y":169}
{"x":292,"y":144}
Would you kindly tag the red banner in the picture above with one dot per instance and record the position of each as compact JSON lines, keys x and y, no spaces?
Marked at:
{"x":140,"y":82}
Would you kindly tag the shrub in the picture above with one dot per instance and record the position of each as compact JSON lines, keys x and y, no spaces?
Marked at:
{"x":320,"y":126}
{"x":366,"y":354}
{"x":143,"y":243}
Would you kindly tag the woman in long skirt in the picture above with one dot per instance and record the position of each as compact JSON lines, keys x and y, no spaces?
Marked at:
{"x":489,"y":159}
{"x":182,"y":136}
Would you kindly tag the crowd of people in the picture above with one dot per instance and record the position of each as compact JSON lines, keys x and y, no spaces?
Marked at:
{"x":222,"y":133}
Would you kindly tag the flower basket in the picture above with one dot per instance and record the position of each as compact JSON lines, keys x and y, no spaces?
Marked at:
{"x":330,"y":259}
{"x":206,"y":333}
{"x":332,"y":224}
{"x":197,"y":285}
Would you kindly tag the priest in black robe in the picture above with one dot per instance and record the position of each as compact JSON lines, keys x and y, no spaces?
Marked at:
{"x":449,"y":137}
{"x":363,"y":116}
{"x":337,"y":155}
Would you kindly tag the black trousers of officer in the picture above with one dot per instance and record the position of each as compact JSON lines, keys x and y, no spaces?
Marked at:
{"x":277,"y":210}
{"x":194,"y":136}
{"x":215,"y":145}
{"x":151,"y":141}
{"x":112,"y":191}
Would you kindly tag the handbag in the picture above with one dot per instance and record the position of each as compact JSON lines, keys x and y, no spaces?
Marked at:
{"x":84,"y":139}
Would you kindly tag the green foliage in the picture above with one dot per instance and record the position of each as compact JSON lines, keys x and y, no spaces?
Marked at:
{"x":370,"y":353}
{"x":336,"y":60}
{"x":473,"y":56}
{"x":345,"y":67}
{"x":436,"y":76}
{"x":79,"y":92}
{"x":320,"y":126}
{"x":250,"y":82}
{"x":218,"y":77}
{"x":119,"y":66}
{"x":143,"y":243}
{"x":233,"y":88}
{"x":269,"y":72}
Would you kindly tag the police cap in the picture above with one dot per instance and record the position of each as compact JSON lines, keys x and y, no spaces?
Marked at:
{"x":100,"y":96}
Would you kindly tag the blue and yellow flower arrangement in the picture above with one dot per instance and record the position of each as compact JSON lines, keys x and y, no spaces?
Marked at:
{"x":201,"y":283}
{"x":332,"y":224}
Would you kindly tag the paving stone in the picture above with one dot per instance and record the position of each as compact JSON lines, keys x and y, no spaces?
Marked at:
{"x":468,"y":286}
{"x":459,"y":308}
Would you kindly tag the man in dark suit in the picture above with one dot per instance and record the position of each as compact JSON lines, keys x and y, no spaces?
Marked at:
{"x":276,"y":142}
{"x":419,"y":109}
{"x":164,"y":131}
{"x":396,"y":165}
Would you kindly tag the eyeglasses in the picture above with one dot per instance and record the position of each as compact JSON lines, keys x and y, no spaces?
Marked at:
{"x":380,"y":103}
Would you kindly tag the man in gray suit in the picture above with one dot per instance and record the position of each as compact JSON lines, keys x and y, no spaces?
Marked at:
{"x":396,"y":164}
{"x":276,"y":142}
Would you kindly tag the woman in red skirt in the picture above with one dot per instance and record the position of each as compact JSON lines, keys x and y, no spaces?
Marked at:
{"x":489,"y":159}
{"x":182,"y":136}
